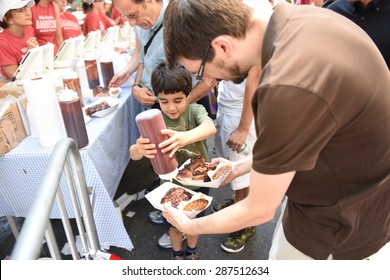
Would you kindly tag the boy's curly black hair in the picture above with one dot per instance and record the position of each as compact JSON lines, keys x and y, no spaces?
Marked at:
{"x":171,"y":80}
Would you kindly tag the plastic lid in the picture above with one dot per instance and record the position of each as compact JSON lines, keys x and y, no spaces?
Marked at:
{"x":148,"y":114}
{"x":89,"y":56}
{"x":67,"y":95}
{"x":169,"y":176}
{"x":69,"y":74}
{"x":105,"y":57}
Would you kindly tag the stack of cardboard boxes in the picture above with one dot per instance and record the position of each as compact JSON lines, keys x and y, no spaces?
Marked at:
{"x":13,"y":126}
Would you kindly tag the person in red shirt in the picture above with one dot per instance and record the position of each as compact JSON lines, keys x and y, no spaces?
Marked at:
{"x":107,"y":21}
{"x":18,"y":35}
{"x":70,"y":26}
{"x":116,"y":16}
{"x":46,"y":23}
{"x":96,"y":19}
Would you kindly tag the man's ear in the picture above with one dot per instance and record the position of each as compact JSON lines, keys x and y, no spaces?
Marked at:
{"x":222,"y":46}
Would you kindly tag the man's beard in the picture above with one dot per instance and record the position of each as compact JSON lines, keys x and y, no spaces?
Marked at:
{"x":235,"y":73}
{"x":238,"y":75}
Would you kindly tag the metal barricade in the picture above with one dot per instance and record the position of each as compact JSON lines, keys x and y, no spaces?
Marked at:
{"x":65,"y":161}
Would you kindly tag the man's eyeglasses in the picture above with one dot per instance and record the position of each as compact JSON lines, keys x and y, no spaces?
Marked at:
{"x":199,"y":75}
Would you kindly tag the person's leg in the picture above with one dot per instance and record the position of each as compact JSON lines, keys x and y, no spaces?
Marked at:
{"x":236,"y":241}
{"x":190,"y":253}
{"x":176,"y":239}
{"x":192,"y":240}
{"x":240,"y":194}
{"x":165,"y":241}
{"x":224,"y":125}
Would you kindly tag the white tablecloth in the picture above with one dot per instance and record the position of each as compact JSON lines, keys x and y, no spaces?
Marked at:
{"x":104,"y":160}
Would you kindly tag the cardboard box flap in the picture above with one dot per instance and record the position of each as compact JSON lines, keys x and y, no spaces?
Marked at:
{"x":11,"y":89}
{"x":12,"y":130}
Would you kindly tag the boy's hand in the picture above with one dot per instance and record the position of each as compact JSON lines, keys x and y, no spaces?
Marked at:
{"x":175,"y":141}
{"x":145,"y":148}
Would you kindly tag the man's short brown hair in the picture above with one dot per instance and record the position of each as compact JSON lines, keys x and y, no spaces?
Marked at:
{"x":190,"y":25}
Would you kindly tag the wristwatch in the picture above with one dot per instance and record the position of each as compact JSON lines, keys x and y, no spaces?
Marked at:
{"x":137,"y":85}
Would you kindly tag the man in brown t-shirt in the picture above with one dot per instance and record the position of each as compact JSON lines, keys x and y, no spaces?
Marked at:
{"x":322,"y":112}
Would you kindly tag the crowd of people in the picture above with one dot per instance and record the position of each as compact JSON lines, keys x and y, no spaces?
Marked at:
{"x":304,"y":110}
{"x":26,"y":24}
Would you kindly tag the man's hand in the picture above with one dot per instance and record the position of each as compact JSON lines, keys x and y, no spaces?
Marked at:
{"x":144,"y":96}
{"x":237,"y":139}
{"x":176,"y":218}
{"x":240,"y":168}
{"x":119,"y":79}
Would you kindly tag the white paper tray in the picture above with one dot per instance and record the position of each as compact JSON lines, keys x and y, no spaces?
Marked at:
{"x":213,"y":183}
{"x":112,"y":102}
{"x":155,"y":196}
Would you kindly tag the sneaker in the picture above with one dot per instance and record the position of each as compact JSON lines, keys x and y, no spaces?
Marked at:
{"x":219,"y":206}
{"x":191,"y":257}
{"x":156,"y":217}
{"x":236,"y":241}
{"x":165,"y":242}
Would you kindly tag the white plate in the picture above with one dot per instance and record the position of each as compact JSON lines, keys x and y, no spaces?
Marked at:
{"x":155,"y":196}
{"x":112,"y":102}
{"x":213,"y":183}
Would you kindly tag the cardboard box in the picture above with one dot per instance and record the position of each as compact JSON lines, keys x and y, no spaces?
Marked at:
{"x":12,"y":130}
{"x":17,"y":92}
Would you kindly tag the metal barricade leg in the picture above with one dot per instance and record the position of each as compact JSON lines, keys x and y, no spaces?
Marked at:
{"x":13,"y":226}
{"x":65,"y":161}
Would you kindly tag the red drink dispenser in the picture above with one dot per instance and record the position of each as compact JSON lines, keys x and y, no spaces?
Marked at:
{"x":73,"y":117}
{"x":92,"y":70}
{"x":150,"y":123}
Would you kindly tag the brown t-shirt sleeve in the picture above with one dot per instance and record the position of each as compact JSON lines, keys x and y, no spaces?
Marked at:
{"x":293,"y":126}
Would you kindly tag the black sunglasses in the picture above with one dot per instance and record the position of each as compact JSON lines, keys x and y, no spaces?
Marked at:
{"x":199,"y":75}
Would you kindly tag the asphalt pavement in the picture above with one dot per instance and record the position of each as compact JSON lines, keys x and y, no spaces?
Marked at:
{"x":145,"y":235}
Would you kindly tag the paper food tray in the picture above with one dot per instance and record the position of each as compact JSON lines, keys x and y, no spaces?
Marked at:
{"x":112,"y":102}
{"x":114,"y":92}
{"x":155,"y":196}
{"x":213,"y":183}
